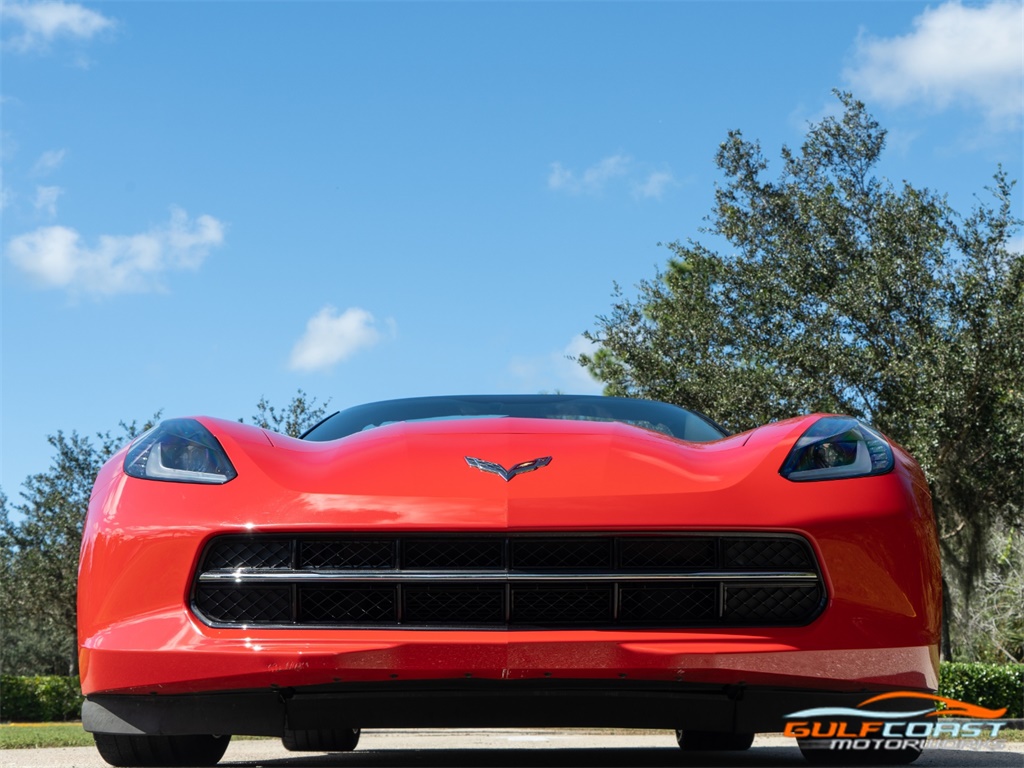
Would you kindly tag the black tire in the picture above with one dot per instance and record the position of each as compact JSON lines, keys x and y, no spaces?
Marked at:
{"x":121,"y":750}
{"x":713,"y":741}
{"x":321,"y":740}
{"x":819,"y":756}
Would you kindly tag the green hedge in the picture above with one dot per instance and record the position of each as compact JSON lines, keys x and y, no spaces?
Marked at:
{"x":48,"y":699}
{"x":40,"y":699}
{"x":988,"y":685}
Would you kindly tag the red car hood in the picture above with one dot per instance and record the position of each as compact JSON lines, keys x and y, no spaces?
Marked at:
{"x":417,"y":474}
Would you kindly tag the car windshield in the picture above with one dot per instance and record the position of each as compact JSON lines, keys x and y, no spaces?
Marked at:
{"x":648,"y":414}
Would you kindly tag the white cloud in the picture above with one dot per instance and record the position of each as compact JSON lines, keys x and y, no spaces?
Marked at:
{"x":331,"y":338}
{"x":46,"y":200}
{"x":560,"y":177}
{"x":557,"y":370}
{"x":49,"y":161}
{"x":654,"y":185}
{"x":621,"y":169}
{"x":592,"y":180}
{"x":56,"y":257}
{"x":956,"y":55}
{"x":41,"y":23}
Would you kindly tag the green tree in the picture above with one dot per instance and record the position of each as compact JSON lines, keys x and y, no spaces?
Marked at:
{"x":991,"y":627}
{"x":837,"y":291}
{"x":39,"y":555}
{"x":296,"y":418}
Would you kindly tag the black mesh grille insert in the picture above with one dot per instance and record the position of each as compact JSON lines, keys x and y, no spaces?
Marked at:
{"x":347,"y":553}
{"x":347,"y":604}
{"x":771,"y":604}
{"x":454,"y":605}
{"x":500,"y":580}
{"x":245,"y":604}
{"x":560,"y":605}
{"x":644,"y":603}
{"x":561,"y":554}
{"x":766,"y":553}
{"x":452,"y":553}
{"x":230,"y":553}
{"x":668,"y":553}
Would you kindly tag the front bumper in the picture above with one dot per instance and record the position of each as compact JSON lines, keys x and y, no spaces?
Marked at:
{"x":462,"y":704}
{"x":174,"y":654}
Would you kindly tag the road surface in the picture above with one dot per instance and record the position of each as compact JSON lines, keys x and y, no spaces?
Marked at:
{"x":515,"y":748}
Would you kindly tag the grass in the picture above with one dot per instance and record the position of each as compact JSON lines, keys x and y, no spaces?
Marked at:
{"x":37,"y":735}
{"x":31,"y":735}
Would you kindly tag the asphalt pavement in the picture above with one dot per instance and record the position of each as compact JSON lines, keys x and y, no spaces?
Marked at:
{"x":539,"y":748}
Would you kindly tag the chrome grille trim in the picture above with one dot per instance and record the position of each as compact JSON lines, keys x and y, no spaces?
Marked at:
{"x":337,"y":577}
{"x":670,"y":581}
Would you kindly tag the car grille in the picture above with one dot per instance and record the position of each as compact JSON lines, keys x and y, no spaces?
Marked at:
{"x":508,"y":581}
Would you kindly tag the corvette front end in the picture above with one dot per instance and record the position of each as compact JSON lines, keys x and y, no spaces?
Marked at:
{"x":385,"y":579}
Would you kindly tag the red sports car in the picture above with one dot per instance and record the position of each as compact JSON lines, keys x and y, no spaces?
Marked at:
{"x":499,"y":561}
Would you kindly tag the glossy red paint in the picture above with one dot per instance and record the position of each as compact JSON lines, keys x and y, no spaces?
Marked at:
{"x":874,"y":538}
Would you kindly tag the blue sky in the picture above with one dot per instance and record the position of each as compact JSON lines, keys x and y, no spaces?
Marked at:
{"x":206,"y":203}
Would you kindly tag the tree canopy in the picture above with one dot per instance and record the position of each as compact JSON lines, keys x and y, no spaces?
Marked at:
{"x":831,"y":289}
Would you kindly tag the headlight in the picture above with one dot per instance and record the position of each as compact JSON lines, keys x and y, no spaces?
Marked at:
{"x":179,"y":450}
{"x":836,"y":447}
